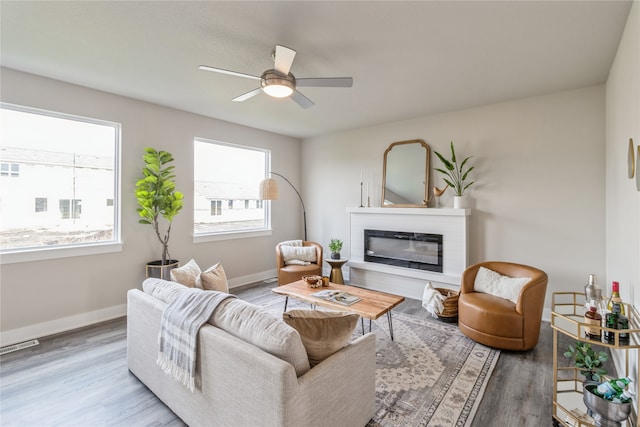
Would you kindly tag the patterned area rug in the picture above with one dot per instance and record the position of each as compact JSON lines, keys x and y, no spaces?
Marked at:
{"x":429,"y":375}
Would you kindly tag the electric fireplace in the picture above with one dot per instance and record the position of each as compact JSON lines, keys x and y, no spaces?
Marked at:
{"x":421,"y":251}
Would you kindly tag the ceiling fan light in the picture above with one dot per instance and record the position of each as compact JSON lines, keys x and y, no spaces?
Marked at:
{"x":276,"y":85}
{"x":277,"y":91}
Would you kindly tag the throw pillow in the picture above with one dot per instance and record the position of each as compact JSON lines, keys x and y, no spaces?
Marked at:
{"x":322,"y":332}
{"x":494,"y":283}
{"x":187,"y":274}
{"x":291,"y":243}
{"x":296,"y":262}
{"x":299,"y":253}
{"x":214,"y":279}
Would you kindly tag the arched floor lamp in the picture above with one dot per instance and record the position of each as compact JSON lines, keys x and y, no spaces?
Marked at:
{"x":269,"y":191}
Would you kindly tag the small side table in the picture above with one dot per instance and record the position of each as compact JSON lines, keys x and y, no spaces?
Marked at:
{"x":336,"y":270}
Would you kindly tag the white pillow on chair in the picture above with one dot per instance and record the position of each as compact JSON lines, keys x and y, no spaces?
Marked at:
{"x":298,"y":253}
{"x":493,"y":283}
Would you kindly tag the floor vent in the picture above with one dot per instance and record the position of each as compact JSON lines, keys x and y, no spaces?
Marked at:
{"x":273,"y":279}
{"x":19,"y":346}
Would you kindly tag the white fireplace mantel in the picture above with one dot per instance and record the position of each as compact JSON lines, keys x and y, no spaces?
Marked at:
{"x":451,"y":223}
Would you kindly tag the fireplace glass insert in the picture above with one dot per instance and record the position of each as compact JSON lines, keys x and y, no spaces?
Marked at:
{"x":420,"y":251}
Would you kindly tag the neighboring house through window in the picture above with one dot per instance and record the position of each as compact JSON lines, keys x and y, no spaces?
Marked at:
{"x":226,"y":181}
{"x":57,"y":160}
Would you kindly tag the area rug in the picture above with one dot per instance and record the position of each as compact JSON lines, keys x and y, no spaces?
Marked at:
{"x":429,"y":375}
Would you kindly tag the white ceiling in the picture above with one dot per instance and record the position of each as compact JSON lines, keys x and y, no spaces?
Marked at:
{"x":407,"y":59}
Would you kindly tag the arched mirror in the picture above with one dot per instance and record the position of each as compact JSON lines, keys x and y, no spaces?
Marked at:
{"x":405,"y":174}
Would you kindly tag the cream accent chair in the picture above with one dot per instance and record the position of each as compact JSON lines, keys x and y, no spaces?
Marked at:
{"x":292,"y":273}
{"x":498,"y":322}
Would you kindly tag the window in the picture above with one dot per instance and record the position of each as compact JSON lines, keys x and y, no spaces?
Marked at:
{"x":41,"y":204}
{"x":70,"y":208}
{"x":70,"y":160}
{"x":216,"y":207}
{"x":226,"y":179}
{"x":9,"y":169}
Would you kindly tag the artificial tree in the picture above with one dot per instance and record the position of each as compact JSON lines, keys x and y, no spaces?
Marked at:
{"x":157,"y":197}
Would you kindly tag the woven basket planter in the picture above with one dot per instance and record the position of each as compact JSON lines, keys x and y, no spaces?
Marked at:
{"x":450,"y":311}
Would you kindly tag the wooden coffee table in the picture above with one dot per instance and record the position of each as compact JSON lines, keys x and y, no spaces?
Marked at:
{"x":372,"y":305}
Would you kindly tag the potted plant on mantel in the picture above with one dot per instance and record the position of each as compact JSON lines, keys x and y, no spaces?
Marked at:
{"x":158,"y":198}
{"x":456,"y":176}
{"x":335,"y":246}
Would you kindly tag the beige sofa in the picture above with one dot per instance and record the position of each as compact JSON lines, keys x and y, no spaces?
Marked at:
{"x":239,"y":384}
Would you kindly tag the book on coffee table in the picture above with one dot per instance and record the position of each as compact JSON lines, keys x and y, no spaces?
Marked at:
{"x":340,"y":297}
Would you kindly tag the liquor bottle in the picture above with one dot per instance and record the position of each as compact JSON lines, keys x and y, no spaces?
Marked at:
{"x":592,"y":317}
{"x":588,"y":290}
{"x":611,"y":322}
{"x":615,"y":297}
{"x":623,"y":323}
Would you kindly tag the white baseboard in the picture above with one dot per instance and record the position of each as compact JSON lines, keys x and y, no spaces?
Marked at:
{"x":251,"y":278}
{"x":56,"y":326}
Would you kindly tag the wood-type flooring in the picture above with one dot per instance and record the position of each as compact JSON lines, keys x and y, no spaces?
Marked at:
{"x":80,"y":378}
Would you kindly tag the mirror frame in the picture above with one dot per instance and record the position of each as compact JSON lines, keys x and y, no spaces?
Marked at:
{"x":426,"y":174}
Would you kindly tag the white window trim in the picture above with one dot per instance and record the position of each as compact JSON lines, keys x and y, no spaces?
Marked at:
{"x":231,"y":235}
{"x":17,"y":255}
{"x":41,"y":254}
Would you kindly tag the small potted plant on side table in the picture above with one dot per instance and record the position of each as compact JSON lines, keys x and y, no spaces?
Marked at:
{"x":335,"y":246}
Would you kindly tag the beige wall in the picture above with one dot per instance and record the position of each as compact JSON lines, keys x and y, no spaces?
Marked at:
{"x":43,"y":297}
{"x":539,"y":195}
{"x":623,"y":199}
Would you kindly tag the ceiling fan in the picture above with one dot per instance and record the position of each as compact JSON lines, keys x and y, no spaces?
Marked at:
{"x":280,"y":83}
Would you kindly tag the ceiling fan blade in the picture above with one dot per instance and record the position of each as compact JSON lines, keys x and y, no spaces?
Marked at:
{"x":302,"y":100}
{"x":284,"y":59}
{"x":325,"y":82}
{"x":247,"y":95}
{"x":231,"y":73}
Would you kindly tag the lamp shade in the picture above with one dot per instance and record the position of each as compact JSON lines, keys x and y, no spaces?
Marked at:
{"x":269,"y":189}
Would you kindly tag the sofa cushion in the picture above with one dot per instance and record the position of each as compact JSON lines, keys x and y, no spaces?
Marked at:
{"x":214,"y":279}
{"x":186,"y":275}
{"x":322,"y":332}
{"x":306,"y":254}
{"x":493,"y":283}
{"x":252,"y":324}
{"x":164,"y":290}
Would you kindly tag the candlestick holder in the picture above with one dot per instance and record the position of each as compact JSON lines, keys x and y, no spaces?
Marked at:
{"x":361,"y":205}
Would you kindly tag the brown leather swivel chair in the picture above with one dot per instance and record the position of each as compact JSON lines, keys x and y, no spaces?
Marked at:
{"x":292,"y":273}
{"x":498,"y":322}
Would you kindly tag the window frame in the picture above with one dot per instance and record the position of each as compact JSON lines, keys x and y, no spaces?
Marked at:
{"x":17,"y":255}
{"x":235,"y":234}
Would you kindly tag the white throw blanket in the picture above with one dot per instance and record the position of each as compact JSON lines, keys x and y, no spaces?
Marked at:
{"x":432,"y":300}
{"x":181,"y":321}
